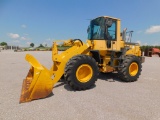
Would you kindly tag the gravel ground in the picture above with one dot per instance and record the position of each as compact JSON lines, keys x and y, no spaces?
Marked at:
{"x":110,"y":99}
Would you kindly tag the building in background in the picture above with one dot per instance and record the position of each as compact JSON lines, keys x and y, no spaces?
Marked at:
{"x":9,"y":47}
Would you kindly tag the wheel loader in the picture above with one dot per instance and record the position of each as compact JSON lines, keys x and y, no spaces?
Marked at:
{"x":106,"y":50}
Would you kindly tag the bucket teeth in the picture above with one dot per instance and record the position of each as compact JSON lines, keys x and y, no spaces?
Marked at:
{"x":27,"y":83}
{"x":25,"y":87}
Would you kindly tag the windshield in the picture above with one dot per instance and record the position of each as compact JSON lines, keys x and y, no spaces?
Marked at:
{"x":98,"y":30}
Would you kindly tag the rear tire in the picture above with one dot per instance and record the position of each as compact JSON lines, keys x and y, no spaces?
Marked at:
{"x":131,"y":69}
{"x":81,"y":72}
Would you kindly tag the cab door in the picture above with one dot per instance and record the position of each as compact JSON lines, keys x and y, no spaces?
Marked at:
{"x":111,"y":38}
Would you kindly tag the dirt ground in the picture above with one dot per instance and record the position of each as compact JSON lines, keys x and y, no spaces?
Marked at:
{"x":109,"y":99}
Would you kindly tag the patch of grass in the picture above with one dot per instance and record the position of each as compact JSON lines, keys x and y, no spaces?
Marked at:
{"x":63,"y":48}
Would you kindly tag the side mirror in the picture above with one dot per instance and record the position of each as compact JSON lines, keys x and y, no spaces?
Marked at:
{"x":109,"y":22}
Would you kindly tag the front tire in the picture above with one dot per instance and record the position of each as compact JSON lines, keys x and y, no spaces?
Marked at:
{"x":81,"y":72}
{"x":131,"y":69}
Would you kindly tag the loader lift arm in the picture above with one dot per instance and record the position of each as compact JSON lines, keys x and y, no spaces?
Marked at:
{"x":39,"y":83}
{"x":60,"y":60}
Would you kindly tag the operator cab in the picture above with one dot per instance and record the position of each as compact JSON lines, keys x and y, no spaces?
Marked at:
{"x":104,"y":28}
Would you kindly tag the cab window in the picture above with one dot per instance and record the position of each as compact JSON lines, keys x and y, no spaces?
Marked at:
{"x":112,"y":31}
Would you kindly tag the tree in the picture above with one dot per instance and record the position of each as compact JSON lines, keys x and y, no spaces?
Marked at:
{"x":3,"y":43}
{"x":41,"y":45}
{"x":32,"y":44}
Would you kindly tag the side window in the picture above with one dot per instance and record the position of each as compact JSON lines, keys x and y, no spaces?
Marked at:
{"x":112,"y":31}
{"x":96,"y":32}
{"x":89,"y":32}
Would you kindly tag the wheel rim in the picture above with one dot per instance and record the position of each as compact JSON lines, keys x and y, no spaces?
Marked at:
{"x":84,"y":73}
{"x":133,"y":69}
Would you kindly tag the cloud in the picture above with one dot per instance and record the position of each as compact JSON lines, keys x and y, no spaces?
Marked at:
{"x":16,"y":41}
{"x":153,"y":29}
{"x":13,"y":36}
{"x":28,"y":43}
{"x":24,"y":38}
{"x":23,"y":26}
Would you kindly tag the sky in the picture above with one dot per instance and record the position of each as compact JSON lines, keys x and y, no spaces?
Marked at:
{"x":42,"y":21}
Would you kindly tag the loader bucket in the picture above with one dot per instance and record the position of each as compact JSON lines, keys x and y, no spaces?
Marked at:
{"x":38,"y":82}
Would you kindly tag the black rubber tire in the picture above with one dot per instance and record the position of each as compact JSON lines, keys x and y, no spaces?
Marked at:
{"x":123,"y":72}
{"x":71,"y":68}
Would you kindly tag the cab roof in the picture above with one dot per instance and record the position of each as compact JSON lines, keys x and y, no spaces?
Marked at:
{"x":107,"y":17}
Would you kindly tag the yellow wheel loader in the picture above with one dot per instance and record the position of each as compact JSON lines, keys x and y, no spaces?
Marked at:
{"x":106,"y":50}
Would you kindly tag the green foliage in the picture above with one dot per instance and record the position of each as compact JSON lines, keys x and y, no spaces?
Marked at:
{"x":63,"y":48}
{"x":144,"y":47}
{"x":32,"y":44}
{"x":25,"y":49}
{"x":40,"y":46}
{"x":3,"y":43}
